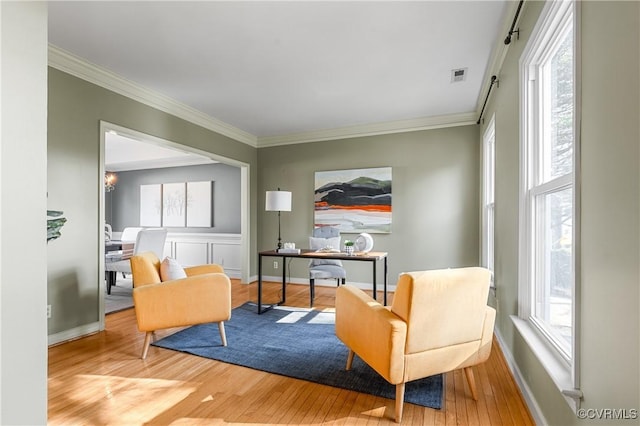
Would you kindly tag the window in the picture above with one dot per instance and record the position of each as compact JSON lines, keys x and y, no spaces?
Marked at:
{"x":548,"y":196}
{"x":549,"y":190}
{"x":488,"y":190}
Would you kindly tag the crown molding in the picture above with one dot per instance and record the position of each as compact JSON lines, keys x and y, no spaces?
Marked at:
{"x":400,"y":126}
{"x":79,"y":67}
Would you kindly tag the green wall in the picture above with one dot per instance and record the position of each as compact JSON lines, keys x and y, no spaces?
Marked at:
{"x":435,"y":196}
{"x":75,"y":109}
{"x":609,"y":213}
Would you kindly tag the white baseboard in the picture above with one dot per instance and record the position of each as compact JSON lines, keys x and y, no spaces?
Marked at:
{"x":233,"y":273}
{"x":529,"y":399}
{"x":74,"y":333}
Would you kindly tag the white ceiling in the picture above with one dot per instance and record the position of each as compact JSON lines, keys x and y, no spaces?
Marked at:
{"x":125,"y":153}
{"x":273,"y":69}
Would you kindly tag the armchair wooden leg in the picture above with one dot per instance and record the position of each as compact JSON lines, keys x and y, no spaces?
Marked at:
{"x":146,"y":344}
{"x":399,"y":401}
{"x":350,"y":359}
{"x":223,"y":335}
{"x":312,"y":291}
{"x":468,"y":372}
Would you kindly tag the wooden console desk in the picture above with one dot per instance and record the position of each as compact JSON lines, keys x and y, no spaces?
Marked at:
{"x":373,"y":257}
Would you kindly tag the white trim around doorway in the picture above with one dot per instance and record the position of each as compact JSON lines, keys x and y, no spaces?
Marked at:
{"x":245,"y":202}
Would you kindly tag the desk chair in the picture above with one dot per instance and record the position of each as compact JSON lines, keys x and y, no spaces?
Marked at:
{"x":325,"y":236}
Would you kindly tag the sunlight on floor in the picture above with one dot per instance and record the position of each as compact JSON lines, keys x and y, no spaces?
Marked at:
{"x":326,"y":316}
{"x":140,"y":395}
{"x":376,"y":412}
{"x":293,"y":317}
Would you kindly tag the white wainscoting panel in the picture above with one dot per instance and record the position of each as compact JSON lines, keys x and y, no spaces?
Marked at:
{"x":191,"y":249}
{"x":191,"y":253}
{"x":227,"y":255}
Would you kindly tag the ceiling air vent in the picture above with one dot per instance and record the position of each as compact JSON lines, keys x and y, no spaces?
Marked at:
{"x":458,"y":75}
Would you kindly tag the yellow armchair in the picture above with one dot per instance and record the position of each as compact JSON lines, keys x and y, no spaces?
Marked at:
{"x":204,"y":296}
{"x":439,"y":321}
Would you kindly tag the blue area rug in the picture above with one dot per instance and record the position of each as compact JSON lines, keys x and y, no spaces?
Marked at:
{"x":299,"y":343}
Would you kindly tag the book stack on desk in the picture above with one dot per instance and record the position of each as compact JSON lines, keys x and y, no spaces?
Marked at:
{"x":288,"y":250}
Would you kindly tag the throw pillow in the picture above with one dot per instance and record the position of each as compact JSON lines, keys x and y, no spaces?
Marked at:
{"x":170,"y":269}
{"x":319,"y":243}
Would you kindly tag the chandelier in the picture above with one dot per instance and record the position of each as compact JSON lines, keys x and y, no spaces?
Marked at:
{"x":110,"y":181}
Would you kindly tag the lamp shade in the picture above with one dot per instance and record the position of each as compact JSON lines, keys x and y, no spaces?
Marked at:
{"x":278,"y":201}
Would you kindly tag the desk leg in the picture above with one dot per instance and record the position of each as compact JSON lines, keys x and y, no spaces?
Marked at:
{"x":284,"y":280}
{"x":259,"y":284}
{"x":284,"y":288}
{"x":385,"y":281}
{"x":375,"y":275}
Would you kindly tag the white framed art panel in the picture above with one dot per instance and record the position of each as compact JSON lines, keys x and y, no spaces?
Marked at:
{"x":174,"y":204}
{"x":199,"y":204}
{"x":151,"y":205}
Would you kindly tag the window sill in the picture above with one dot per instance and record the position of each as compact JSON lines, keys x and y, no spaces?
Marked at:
{"x":557,"y":369}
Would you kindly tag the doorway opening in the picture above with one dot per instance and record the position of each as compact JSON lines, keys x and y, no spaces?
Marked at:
{"x":130,"y":153}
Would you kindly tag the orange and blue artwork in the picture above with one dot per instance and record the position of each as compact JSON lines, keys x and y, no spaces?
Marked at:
{"x":354,"y":201}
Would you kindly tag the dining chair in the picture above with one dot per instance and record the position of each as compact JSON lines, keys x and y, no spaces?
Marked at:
{"x":108,"y":232}
{"x":128,"y":239}
{"x":146,"y":240}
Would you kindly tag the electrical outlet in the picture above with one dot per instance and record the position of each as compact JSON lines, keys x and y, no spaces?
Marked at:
{"x":48,"y":311}
{"x":275,"y":264}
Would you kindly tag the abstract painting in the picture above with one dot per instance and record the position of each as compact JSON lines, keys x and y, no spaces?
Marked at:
{"x":354,"y":201}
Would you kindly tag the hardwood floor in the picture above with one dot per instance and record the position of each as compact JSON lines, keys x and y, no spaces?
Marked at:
{"x":101,"y":380}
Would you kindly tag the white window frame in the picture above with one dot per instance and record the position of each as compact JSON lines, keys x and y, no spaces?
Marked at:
{"x":563,"y":370}
{"x":488,"y":195}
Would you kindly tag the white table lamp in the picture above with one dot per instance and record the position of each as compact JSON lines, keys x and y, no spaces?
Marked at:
{"x":278,"y":201}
